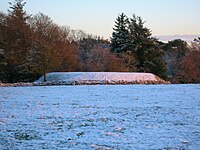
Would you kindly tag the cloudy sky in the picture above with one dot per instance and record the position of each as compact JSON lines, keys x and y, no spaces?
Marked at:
{"x":163,"y":17}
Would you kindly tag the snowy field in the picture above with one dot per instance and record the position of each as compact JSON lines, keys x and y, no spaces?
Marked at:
{"x":100,"y":117}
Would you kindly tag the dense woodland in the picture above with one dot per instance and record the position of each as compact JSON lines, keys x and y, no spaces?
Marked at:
{"x":32,"y":45}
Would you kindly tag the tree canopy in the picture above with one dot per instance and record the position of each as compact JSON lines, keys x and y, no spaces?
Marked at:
{"x":130,"y":35}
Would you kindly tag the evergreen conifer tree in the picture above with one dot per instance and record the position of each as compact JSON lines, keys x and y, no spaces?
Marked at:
{"x":145,"y":48}
{"x":120,"y":34}
{"x":133,"y":37}
{"x":17,"y":43}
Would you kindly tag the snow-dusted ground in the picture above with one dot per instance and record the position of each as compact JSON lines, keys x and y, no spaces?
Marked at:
{"x":100,"y":117}
{"x":71,"y":78}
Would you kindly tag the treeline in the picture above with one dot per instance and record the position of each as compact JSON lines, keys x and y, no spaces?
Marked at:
{"x":175,"y":61}
{"x":182,"y":60}
{"x":32,"y":45}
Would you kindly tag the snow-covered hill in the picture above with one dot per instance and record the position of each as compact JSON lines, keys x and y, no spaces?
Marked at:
{"x":79,"y":78}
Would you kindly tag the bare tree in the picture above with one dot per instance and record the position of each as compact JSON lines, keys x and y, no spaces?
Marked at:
{"x":102,"y":59}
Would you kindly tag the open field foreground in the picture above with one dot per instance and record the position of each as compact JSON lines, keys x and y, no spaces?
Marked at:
{"x":100,"y":117}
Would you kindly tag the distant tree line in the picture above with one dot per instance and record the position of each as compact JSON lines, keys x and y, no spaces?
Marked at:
{"x":33,"y":45}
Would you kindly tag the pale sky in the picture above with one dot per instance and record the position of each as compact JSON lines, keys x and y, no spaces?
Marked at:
{"x":163,"y":17}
